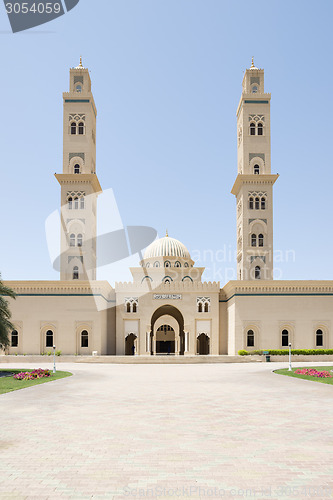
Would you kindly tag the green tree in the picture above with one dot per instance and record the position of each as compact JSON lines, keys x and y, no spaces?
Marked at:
{"x":5,"y":325}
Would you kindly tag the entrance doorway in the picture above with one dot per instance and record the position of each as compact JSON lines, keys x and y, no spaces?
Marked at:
{"x":130,"y":344}
{"x":172,"y":340}
{"x":203,"y":344}
{"x":165,"y":340}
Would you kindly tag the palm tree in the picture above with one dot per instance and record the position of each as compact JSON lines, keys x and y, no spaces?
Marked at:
{"x":5,"y":325}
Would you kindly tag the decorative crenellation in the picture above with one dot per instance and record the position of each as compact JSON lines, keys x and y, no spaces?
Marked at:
{"x":177,"y":286}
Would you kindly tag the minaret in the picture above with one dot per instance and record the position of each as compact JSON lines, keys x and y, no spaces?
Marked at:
{"x":253,"y":187}
{"x":79,"y":183}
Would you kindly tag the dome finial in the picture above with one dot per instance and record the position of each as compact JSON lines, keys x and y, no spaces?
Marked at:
{"x":166,"y":234}
{"x":252,"y":65}
{"x":82,"y":66}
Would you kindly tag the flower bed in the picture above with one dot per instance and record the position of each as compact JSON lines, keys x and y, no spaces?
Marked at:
{"x":35,"y":374}
{"x":311,"y":372}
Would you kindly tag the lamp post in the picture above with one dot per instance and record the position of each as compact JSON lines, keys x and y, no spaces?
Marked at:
{"x":289,"y":369}
{"x":54,"y":366}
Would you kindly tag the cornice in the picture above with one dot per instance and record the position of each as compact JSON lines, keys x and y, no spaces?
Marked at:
{"x":80,"y":178}
{"x":61,"y":287}
{"x":272,"y":287}
{"x":253,"y":179}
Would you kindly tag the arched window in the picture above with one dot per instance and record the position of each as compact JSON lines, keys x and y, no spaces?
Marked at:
{"x":257,"y":204}
{"x":84,"y":338}
{"x":254,"y":89}
{"x":128,"y":307}
{"x":261,"y":240}
{"x":72,"y":240}
{"x":134,"y":307}
{"x":257,"y":273}
{"x":76,"y":203}
{"x":260,"y":129}
{"x":78,"y":89}
{"x":263,"y":203}
{"x":75,"y":273}
{"x":70,"y":203}
{"x":177,"y":264}
{"x":200,"y":307}
{"x":186,"y":264}
{"x":319,"y":338}
{"x":79,"y":240}
{"x":81,"y":128}
{"x":167,"y":264}
{"x":73,"y":128}
{"x":77,"y":169}
{"x":49,"y":338}
{"x":14,"y":338}
{"x":206,"y":307}
{"x":156,"y":264}
{"x":82,"y":202}
{"x":256,"y":169}
{"x":250,"y":338}
{"x":251,"y":203}
{"x":285,"y":338}
{"x":253,"y":240}
{"x":252,"y":129}
{"x":167,"y":281}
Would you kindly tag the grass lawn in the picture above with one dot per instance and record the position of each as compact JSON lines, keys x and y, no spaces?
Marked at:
{"x":9,"y":384}
{"x":285,"y":371}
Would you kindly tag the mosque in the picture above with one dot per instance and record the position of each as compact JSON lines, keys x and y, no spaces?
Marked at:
{"x":168,"y":309}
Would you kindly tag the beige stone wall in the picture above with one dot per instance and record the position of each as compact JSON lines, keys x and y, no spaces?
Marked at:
{"x":67,"y":310}
{"x":299,"y":307}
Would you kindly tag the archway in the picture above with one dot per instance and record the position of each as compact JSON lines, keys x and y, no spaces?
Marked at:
{"x":165,"y":340}
{"x":130,"y":344}
{"x":203,"y":344}
{"x":171,"y":317}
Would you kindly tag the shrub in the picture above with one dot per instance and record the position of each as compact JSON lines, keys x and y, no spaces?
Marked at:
{"x":58,"y":353}
{"x":285,"y":352}
{"x":242,"y":352}
{"x":49,"y":353}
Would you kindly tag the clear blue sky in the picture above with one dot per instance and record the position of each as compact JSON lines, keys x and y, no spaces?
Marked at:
{"x":167,"y":80}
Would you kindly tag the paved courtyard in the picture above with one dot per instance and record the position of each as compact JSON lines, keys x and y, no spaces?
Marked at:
{"x":168,"y":431}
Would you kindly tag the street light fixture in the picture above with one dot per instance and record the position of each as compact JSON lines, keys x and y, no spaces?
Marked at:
{"x":54,"y":366}
{"x":289,"y":369}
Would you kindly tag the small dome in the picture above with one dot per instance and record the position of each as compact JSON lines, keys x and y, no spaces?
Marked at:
{"x":167,"y":247}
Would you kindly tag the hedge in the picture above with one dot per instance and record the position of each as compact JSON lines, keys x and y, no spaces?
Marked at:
{"x":285,"y":352}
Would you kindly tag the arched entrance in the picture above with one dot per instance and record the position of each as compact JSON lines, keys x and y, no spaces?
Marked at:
{"x":165,"y":340}
{"x":171,"y":317}
{"x":203,"y":344}
{"x":130,"y":344}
